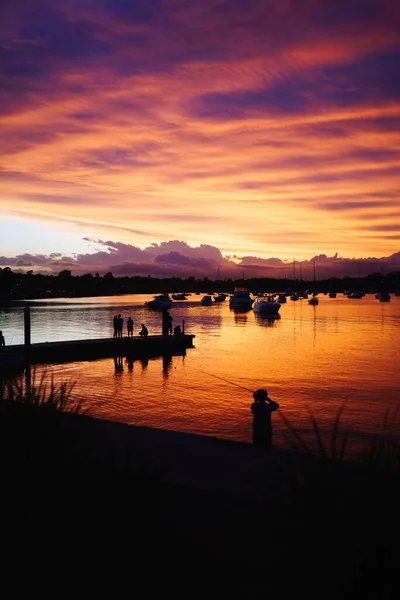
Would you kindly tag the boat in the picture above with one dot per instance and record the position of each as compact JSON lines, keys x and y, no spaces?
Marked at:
{"x":384,"y":297}
{"x":206,"y":300}
{"x":266,"y":305}
{"x":282,"y":299}
{"x":332,"y":294}
{"x":294,"y":297}
{"x":314,"y":300}
{"x":240,"y":299}
{"x":356,"y":294}
{"x":220,"y":298}
{"x":179,"y":296}
{"x":160,"y":302}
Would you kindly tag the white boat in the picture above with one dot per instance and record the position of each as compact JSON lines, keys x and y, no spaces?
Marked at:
{"x":206,"y":300}
{"x":240,"y":299}
{"x":160,"y":302}
{"x":266,"y":305}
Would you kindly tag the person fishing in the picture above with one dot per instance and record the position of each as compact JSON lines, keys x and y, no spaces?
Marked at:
{"x":262,"y":408}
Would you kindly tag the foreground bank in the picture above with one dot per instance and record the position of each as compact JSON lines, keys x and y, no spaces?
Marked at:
{"x":180,"y":509}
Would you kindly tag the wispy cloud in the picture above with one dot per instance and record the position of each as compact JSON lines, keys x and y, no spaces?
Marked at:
{"x":260,"y":128}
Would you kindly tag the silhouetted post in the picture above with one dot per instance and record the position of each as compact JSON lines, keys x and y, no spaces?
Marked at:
{"x":27,"y":325}
{"x":183,"y":325}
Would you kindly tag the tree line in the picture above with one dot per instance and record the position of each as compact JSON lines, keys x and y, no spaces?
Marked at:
{"x":24,"y":286}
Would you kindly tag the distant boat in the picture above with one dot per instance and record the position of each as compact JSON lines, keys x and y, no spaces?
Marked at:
{"x":266,"y":305}
{"x":206,"y":300}
{"x":179,"y":296}
{"x":220,"y":297}
{"x":294,"y":296}
{"x":384,"y":297}
{"x":313,"y":300}
{"x":241,"y":298}
{"x":356,"y":294}
{"x":332,"y":294}
{"x":160,"y":302}
{"x":282,"y":298}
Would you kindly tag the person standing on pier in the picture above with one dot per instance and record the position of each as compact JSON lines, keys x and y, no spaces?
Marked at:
{"x":115,"y":325}
{"x":120,"y":326}
{"x":129,"y":326}
{"x":262,"y":408}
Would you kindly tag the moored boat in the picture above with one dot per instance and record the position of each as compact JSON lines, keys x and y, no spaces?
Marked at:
{"x":160,"y":302}
{"x":220,"y":298}
{"x":241,"y":298}
{"x":383,"y":297}
{"x":314,"y":300}
{"x":206,"y":300}
{"x":266,"y":305}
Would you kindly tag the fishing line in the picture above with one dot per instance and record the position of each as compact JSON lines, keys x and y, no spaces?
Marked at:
{"x":226,"y":380}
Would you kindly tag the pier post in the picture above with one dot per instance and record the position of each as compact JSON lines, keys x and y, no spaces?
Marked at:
{"x":183,"y":325}
{"x":27,"y":325}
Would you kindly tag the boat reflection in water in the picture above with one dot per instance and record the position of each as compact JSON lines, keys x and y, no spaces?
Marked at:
{"x":266,"y":320}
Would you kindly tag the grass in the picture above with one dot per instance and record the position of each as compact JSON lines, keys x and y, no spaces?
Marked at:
{"x":349,"y":507}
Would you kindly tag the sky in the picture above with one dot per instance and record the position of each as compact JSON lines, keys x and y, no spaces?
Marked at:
{"x":213,"y":138}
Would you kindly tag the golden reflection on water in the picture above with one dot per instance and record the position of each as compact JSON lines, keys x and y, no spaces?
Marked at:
{"x":311,"y":358}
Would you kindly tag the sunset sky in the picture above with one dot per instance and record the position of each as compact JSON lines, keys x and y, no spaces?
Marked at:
{"x":178,"y":137}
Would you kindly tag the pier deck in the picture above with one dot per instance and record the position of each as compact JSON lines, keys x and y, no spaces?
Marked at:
{"x":77,"y":350}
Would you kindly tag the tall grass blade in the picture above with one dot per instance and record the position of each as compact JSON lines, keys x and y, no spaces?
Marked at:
{"x":335,"y":431}
{"x":295,"y":434}
{"x":320,"y":443}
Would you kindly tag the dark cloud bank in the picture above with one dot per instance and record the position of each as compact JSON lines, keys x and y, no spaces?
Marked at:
{"x":177,"y":259}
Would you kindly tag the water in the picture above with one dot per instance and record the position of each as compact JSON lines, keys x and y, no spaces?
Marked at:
{"x":315,"y":359}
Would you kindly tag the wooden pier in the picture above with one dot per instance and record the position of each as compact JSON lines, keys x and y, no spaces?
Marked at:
{"x":133,"y":348}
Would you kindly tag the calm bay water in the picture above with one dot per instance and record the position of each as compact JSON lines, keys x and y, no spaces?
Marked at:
{"x":313,"y":358}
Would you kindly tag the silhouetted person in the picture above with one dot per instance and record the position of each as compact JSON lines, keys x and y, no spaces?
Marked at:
{"x":262,"y":408}
{"x":178,"y":330}
{"x":166,"y":322}
{"x":120,"y":324}
{"x":129,"y":326}
{"x":2,"y":340}
{"x":115,"y":324}
{"x":144,"y":332}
